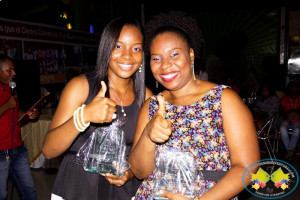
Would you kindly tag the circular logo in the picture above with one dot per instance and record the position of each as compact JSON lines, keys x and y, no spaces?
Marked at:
{"x":270,"y":178}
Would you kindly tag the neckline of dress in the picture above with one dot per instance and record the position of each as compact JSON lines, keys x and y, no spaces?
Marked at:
{"x":193,"y":104}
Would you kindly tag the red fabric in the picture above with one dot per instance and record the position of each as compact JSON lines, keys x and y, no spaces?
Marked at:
{"x":6,"y":122}
{"x":289,"y":103}
{"x":236,"y":89}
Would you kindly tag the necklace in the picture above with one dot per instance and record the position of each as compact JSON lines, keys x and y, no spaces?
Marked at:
{"x":124,"y":114}
{"x":295,"y":106}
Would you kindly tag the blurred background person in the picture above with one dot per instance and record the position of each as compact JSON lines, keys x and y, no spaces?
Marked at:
{"x":230,"y":81}
{"x":267,"y":104}
{"x":215,"y":62}
{"x":290,"y":119}
{"x":14,"y":161}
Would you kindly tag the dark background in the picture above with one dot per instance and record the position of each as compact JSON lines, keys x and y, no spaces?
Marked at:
{"x":82,"y":13}
{"x":259,"y":21}
{"x":28,"y":84}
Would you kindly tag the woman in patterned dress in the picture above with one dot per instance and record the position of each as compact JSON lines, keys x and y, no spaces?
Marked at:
{"x":208,"y":120}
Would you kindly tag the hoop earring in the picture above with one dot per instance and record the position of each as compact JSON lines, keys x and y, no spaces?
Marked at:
{"x":156,"y":84}
{"x":193,"y":71}
{"x":140,"y":69}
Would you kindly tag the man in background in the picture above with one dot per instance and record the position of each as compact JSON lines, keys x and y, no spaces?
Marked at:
{"x":14,"y":161}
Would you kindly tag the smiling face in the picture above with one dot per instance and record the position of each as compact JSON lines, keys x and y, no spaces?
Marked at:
{"x":127,"y":55}
{"x":171,"y":61}
{"x":7,"y":72}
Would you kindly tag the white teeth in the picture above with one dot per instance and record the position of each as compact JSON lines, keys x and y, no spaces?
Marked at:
{"x":125,"y":66}
{"x":171,"y":75}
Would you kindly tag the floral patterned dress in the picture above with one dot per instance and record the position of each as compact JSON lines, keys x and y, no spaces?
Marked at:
{"x":196,"y":128}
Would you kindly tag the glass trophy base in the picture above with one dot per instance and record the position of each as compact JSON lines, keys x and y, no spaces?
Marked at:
{"x":164,"y":198}
{"x":103,"y":169}
{"x":161,"y":198}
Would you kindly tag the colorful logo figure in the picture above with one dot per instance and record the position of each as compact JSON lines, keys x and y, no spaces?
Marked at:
{"x":271,"y":179}
{"x":279,"y":178}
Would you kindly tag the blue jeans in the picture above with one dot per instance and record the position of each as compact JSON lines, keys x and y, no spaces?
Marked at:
{"x":290,"y":144}
{"x":18,"y":170}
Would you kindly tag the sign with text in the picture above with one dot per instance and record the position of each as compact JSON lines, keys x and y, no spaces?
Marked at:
{"x":19,"y":30}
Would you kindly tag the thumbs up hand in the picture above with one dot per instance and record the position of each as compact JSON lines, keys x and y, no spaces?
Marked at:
{"x":159,"y":128}
{"x":101,"y":108}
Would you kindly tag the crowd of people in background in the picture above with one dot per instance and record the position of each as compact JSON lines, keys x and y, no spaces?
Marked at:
{"x":266,"y":96}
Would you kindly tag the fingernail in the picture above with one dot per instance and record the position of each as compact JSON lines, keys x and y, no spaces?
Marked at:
{"x":161,"y":192}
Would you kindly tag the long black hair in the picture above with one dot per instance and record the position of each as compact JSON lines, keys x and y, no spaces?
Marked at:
{"x":108,"y":42}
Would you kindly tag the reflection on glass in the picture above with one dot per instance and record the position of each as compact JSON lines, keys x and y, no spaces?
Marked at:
{"x":294,"y":61}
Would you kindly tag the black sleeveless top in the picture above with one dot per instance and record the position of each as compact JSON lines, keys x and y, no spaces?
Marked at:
{"x":73,"y":183}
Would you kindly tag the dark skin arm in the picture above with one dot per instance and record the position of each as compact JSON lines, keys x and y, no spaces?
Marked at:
{"x":147,"y":134}
{"x":12,"y":103}
{"x":33,"y":114}
{"x":9,"y":104}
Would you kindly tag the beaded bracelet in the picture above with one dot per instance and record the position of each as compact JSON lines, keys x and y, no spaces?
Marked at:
{"x":79,"y":121}
{"x":75,"y":115}
{"x":81,"y":115}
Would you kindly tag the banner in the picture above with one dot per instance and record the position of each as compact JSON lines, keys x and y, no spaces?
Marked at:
{"x":61,"y":53}
{"x":21,"y":30}
{"x":55,"y":48}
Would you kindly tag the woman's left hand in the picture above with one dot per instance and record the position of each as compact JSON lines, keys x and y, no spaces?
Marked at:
{"x":118,"y":180}
{"x":172,"y":196}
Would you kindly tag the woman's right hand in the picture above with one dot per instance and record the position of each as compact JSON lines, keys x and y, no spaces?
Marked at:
{"x":101,"y":108}
{"x":118,"y":180}
{"x":159,"y":128}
